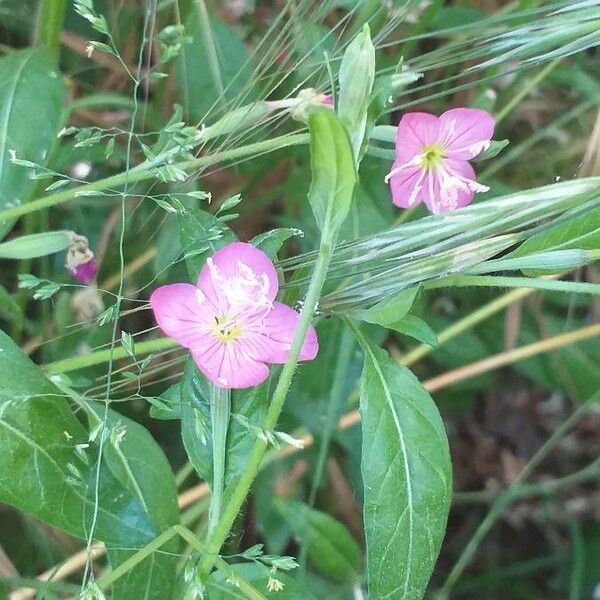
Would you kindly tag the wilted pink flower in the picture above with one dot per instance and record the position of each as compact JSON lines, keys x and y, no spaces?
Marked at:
{"x":85,"y":272}
{"x":432,"y":158}
{"x":81,"y":263}
{"x":230,"y":320}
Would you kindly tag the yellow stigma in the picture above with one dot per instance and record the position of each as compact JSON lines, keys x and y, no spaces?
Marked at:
{"x":226,"y":330}
{"x":432,"y":155}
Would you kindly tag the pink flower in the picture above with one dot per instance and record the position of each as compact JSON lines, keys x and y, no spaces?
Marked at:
{"x":85,"y":272}
{"x":432,"y":158}
{"x":230,"y":320}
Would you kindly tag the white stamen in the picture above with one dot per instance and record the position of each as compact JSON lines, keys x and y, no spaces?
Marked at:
{"x":417,"y":188}
{"x":415,"y":161}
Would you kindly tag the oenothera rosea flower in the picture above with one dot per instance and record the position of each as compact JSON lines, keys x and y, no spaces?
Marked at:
{"x":230,"y":320}
{"x":432,"y":158}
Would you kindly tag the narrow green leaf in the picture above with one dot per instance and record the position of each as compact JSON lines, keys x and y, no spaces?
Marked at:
{"x":333,"y":172}
{"x":582,"y":231}
{"x":31,"y":94}
{"x":416,"y":328}
{"x":495,"y":147}
{"x":128,"y":343}
{"x":330,"y":546}
{"x":36,"y":245}
{"x":389,"y":311}
{"x":271,"y":242}
{"x":407,"y":477}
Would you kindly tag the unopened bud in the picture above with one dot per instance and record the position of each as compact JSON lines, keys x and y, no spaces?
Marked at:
{"x":356,"y":77}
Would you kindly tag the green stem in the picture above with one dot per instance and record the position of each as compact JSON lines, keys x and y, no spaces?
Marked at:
{"x":50,"y":21}
{"x":102,"y":356}
{"x":163,"y":343}
{"x":107,"y":580}
{"x":239,"y":493}
{"x":146,"y":172}
{"x":220,"y":411}
{"x":516,"y":282}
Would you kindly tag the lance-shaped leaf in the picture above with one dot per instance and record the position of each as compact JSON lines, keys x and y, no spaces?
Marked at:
{"x":329,"y":544}
{"x":31,"y":94}
{"x":49,"y":469}
{"x":333,"y":172}
{"x":407,"y":478}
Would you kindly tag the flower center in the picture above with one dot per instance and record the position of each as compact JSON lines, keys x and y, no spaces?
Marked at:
{"x":432,"y":155}
{"x":226,"y":330}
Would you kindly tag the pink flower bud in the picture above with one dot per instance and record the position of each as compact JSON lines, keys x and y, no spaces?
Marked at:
{"x":85,"y":272}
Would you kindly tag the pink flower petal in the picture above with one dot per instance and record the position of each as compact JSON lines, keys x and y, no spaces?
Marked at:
{"x":280,"y":327}
{"x":182,"y":312}
{"x":446,"y":189}
{"x":415,"y":130}
{"x":231,"y":368}
{"x":404,"y":186}
{"x":238,"y":262}
{"x":465,"y":132}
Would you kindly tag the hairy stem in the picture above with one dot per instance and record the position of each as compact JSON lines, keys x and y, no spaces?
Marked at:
{"x":50,"y":20}
{"x":146,"y":172}
{"x":220,"y":411}
{"x":242,"y":487}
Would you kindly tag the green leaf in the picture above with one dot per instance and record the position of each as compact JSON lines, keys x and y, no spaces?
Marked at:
{"x":356,"y":76}
{"x":205,"y":84}
{"x":49,"y":466}
{"x":168,"y":405}
{"x":407,"y":477}
{"x":390,"y":311}
{"x":31,"y":95}
{"x":582,"y":231}
{"x":9,"y":307}
{"x":201,"y":234}
{"x":416,"y":328}
{"x":271,"y":242}
{"x":196,"y":424}
{"x":333,"y":172}
{"x":495,"y":147}
{"x":36,"y":245}
{"x":138,"y":463}
{"x":329,"y":544}
{"x":128,"y":343}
